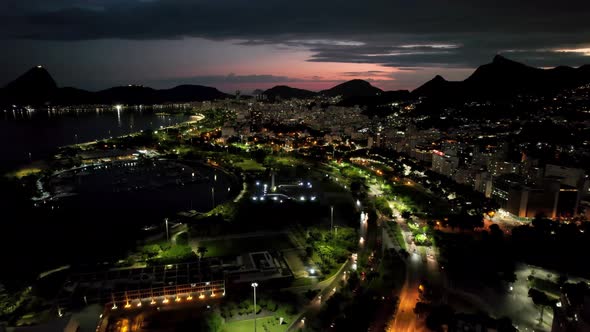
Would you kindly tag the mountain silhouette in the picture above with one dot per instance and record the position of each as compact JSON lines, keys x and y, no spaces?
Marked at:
{"x":131,"y":94}
{"x":36,"y":86}
{"x":505,"y":78}
{"x":377,"y":105}
{"x":73,"y":96}
{"x":186,"y":93}
{"x":287,"y":92}
{"x":352,"y":88}
{"x":436,"y":87}
{"x":501,"y":79}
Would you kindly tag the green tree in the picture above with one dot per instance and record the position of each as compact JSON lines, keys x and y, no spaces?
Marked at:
{"x":542,"y":223}
{"x":175,"y":254}
{"x":214,"y":322}
{"x":182,"y":238}
{"x":308,"y":251}
{"x":151,"y":250}
{"x":439,"y":316}
{"x":201,"y":251}
{"x":496,"y":232}
{"x":406,"y":214}
{"x":259,"y":155}
{"x":422,"y":308}
{"x":382,"y":205}
{"x":271,"y":305}
{"x":404,"y":253}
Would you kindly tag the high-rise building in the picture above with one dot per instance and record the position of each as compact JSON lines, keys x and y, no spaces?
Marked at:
{"x":443,"y":163}
{"x":549,"y":197}
{"x":256,"y":120}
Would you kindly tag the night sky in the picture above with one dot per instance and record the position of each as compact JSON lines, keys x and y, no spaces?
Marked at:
{"x":249,"y":44}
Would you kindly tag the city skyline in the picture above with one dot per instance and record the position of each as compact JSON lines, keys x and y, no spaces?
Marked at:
{"x":246,"y":46}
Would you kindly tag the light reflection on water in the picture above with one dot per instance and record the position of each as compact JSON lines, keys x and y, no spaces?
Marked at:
{"x":36,"y":134}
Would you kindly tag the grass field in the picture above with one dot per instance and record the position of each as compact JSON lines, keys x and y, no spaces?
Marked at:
{"x":296,"y":265}
{"x":286,"y":161}
{"x":393,"y":228}
{"x":236,"y":246}
{"x":25,"y":172}
{"x":248,"y":325}
{"x":249,"y":165}
{"x":301,"y":282}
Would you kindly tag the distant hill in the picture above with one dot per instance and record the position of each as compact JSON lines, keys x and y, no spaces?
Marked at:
{"x":385,"y":97}
{"x":500,"y":79}
{"x":131,"y":94}
{"x":287,"y":92}
{"x":136,"y":94}
{"x":185,"y":93}
{"x":437,"y":87}
{"x":379,"y":104}
{"x":353,"y":88}
{"x":504,"y":78}
{"x":73,"y":96}
{"x":37,"y":87}
{"x":350,"y":89}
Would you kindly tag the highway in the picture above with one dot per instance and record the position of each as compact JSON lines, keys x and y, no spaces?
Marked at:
{"x":328,"y":288}
{"x":419,"y":267}
{"x":416,"y":270}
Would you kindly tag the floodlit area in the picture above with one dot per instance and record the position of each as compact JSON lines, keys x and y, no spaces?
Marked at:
{"x":291,"y":191}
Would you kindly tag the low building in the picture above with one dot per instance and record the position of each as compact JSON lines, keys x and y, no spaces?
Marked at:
{"x":253,"y":266}
{"x":422,"y":153}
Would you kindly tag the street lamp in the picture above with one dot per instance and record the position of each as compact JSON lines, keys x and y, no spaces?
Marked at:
{"x":167,"y":234}
{"x":331,"y":217}
{"x":254,"y":285}
{"x":213,"y":196}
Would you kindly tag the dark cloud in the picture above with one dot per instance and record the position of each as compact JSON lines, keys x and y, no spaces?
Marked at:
{"x":366,"y":73}
{"x":229,"y":83}
{"x":396,"y":33}
{"x":226,"y":79}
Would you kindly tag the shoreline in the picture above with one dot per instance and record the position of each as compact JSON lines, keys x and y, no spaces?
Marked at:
{"x":41,"y":164}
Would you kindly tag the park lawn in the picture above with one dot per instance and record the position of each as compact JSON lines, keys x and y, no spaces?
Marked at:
{"x":183,"y":149}
{"x":236,"y":246}
{"x":331,"y":187}
{"x":295,"y":263}
{"x":242,"y":146}
{"x":286,"y":161}
{"x":248,"y":325}
{"x":23,"y":172}
{"x":300,"y":282}
{"x":393,"y":227}
{"x":250,"y":165}
{"x":416,"y":198}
